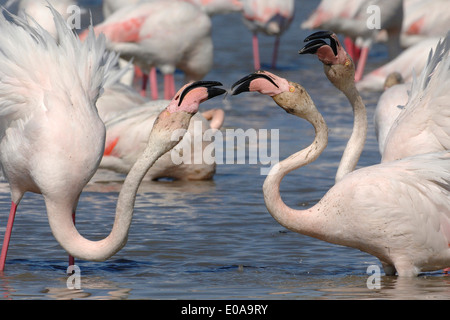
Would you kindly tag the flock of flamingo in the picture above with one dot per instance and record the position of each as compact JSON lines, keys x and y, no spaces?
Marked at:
{"x":397,"y":211}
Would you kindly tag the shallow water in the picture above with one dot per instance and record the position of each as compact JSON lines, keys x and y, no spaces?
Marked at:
{"x":215,"y":239}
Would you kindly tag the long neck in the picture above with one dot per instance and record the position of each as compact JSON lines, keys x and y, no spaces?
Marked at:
{"x":355,"y":144}
{"x":301,"y":221}
{"x":75,"y":244}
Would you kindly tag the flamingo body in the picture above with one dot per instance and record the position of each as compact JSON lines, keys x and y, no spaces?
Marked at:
{"x":125,"y":140}
{"x":162,"y":34}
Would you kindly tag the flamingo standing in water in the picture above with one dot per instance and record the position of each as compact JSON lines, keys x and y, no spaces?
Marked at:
{"x":271,"y":17}
{"x":164,"y":35}
{"x":51,"y":137}
{"x":398,"y":212}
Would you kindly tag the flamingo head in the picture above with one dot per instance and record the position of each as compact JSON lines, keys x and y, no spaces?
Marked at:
{"x":338,"y":65}
{"x":290,"y":96}
{"x":177,"y":115}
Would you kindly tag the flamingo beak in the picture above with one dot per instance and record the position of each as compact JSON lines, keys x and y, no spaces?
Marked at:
{"x":244,"y":83}
{"x":316,"y":42}
{"x":210,"y":86}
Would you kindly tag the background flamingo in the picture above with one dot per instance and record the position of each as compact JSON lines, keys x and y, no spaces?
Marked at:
{"x":423,"y":20}
{"x":128,"y":123}
{"x":423,"y":126}
{"x":370,"y":207}
{"x":164,"y":35}
{"x":349,"y":17}
{"x":48,"y":115}
{"x":271,"y":17}
{"x":409,"y":61}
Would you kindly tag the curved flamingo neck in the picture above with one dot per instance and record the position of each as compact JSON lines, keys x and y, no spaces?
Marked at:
{"x":60,"y":211}
{"x":355,"y":144}
{"x":75,"y":244}
{"x":302,"y":221}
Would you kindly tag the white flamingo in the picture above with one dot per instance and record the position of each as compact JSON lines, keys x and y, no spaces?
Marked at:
{"x":162,"y":34}
{"x":398,"y":211}
{"x":52,"y":138}
{"x":271,"y":17}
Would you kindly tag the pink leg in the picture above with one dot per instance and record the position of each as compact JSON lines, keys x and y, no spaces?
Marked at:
{"x":9,"y":226}
{"x":72,"y":259}
{"x":153,"y":84}
{"x":256,"y":60}
{"x":144,"y":84}
{"x":169,"y":86}
{"x":275,"y":52}
{"x":361,"y":64}
{"x":352,"y":49}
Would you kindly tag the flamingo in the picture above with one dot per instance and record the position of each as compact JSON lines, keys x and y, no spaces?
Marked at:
{"x":412,"y":59}
{"x":423,"y":126}
{"x":424,"y":19}
{"x":52,"y":138}
{"x":396,"y":211}
{"x":129,"y":118}
{"x":350,"y":17}
{"x":127,"y":131}
{"x":271,"y":17}
{"x":164,"y":35}
{"x":340,"y":70}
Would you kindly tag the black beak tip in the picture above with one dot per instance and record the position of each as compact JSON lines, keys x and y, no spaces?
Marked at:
{"x":319,"y":35}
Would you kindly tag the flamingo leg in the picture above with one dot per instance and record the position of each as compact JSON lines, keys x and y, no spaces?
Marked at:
{"x":144,"y":84}
{"x":72,"y":259}
{"x":169,"y":86}
{"x":8,"y":232}
{"x":256,"y":60}
{"x":153,"y":84}
{"x":353,"y":50}
{"x":275,"y":52}
{"x":361,"y":64}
